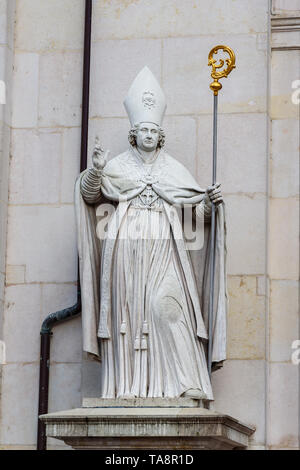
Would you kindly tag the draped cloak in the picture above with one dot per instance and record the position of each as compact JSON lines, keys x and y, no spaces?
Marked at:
{"x":122,"y":181}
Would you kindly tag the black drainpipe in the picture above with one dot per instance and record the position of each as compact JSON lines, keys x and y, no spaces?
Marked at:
{"x":75,"y":310}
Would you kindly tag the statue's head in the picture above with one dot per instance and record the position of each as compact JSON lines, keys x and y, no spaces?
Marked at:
{"x":145,"y":104}
{"x":146,"y":136}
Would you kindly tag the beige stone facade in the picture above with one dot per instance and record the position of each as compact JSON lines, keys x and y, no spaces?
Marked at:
{"x":41,"y":49}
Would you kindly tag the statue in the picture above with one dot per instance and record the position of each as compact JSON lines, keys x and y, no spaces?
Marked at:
{"x":145,"y":294}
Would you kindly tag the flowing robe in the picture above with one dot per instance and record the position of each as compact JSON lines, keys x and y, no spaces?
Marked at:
{"x":143,"y":293}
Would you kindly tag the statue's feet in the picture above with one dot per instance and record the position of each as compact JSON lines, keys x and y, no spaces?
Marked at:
{"x":195,"y":394}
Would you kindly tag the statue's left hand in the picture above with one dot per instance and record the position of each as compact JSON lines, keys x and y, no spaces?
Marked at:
{"x":214,"y":194}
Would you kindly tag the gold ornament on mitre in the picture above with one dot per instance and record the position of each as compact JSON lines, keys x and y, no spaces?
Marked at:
{"x":145,"y":100}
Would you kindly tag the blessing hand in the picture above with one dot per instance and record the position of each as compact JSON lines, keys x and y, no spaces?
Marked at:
{"x":214,"y":194}
{"x":99,"y":156}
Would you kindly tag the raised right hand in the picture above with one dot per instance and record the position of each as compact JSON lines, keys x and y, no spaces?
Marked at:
{"x":99,"y":157}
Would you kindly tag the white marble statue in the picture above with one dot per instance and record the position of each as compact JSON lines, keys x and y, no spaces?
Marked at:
{"x":144,"y":292}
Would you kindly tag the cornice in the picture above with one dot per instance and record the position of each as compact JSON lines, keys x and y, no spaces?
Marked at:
{"x":285,"y":33}
{"x":285,"y":24}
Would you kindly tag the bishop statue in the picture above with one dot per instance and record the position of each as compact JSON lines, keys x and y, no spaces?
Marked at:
{"x":145,"y":290}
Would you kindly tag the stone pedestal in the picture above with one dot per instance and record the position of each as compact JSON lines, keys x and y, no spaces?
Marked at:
{"x":146,"y":424}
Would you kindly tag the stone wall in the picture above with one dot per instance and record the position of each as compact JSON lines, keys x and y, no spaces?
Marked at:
{"x":41,"y":260}
{"x":283,"y":246}
{"x":173,"y":38}
{"x":6,"y":56}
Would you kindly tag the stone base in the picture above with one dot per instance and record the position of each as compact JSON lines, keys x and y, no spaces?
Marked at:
{"x":143,"y":403}
{"x":148,"y":424}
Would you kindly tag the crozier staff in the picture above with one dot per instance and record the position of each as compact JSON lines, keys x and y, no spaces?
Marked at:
{"x":215,"y":86}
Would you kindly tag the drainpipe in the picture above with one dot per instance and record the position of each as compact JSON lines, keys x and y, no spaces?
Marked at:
{"x":70,"y":312}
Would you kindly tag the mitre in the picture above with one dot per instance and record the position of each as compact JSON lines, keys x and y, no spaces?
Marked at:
{"x":145,"y":100}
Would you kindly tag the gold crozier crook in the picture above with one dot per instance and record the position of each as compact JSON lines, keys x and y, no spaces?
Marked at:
{"x":215,"y":86}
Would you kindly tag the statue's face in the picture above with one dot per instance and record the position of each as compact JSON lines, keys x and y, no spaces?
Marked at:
{"x":147,"y":136}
